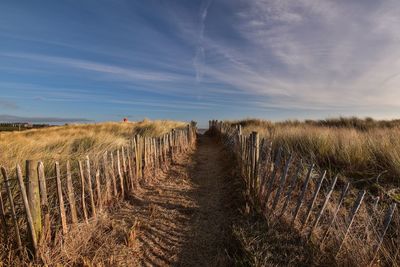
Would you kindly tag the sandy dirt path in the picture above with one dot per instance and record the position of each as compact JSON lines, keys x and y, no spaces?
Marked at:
{"x":180,"y":219}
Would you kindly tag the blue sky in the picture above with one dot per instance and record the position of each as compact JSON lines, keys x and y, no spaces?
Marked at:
{"x":178,"y":59}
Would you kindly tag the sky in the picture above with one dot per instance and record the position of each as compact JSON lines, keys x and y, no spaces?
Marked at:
{"x":198,"y":60}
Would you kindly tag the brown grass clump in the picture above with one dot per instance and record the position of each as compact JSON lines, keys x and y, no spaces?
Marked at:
{"x":106,"y":241}
{"x":357,"y":148}
{"x":74,"y":141}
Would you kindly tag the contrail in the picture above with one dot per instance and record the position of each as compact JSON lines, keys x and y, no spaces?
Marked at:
{"x":198,"y":61}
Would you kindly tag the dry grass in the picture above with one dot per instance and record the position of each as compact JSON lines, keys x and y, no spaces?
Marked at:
{"x":179,"y":217}
{"x":74,"y":141}
{"x":357,"y":148}
{"x":101,"y":243}
{"x":271,"y":238}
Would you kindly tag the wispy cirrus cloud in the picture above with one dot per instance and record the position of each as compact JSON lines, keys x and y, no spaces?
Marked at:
{"x":198,"y":60}
{"x":322,"y":53}
{"x":127,"y":73}
{"x":204,"y":58}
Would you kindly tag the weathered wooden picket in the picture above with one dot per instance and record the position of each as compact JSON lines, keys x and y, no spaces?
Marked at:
{"x":332,"y":214}
{"x":35,"y":210}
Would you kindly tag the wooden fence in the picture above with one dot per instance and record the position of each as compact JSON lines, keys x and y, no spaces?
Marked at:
{"x":339,"y":219}
{"x":36,"y":208}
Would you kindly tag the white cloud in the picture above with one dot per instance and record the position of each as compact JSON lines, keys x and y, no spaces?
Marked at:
{"x":198,"y":60}
{"x":316,"y":54}
{"x":126,"y":73}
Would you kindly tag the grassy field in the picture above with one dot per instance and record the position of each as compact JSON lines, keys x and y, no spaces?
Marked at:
{"x":357,"y":148}
{"x":74,"y":141}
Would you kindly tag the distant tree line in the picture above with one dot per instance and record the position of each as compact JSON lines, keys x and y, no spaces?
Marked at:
{"x":20,"y":126}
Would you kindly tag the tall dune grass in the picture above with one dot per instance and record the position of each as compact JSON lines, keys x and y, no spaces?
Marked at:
{"x":356,"y":148}
{"x":74,"y":141}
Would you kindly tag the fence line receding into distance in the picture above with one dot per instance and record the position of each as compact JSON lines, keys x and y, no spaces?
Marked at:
{"x":35,"y":208}
{"x":351,"y":225}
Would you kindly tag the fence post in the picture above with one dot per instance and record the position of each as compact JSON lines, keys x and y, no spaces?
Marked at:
{"x":31,"y":225}
{"x":121,"y":178}
{"x":388,"y":219}
{"x":71,"y":195}
{"x":248,"y":162}
{"x":124,"y":170}
{"x":98,"y":189}
{"x":83,"y":195}
{"x":138,"y":156}
{"x":34,"y":196}
{"x":61,"y":199}
{"x":114,"y":181}
{"x":44,"y":202}
{"x":342,"y":196}
{"x":130,"y":171}
{"x":314,"y":198}
{"x":303,"y":192}
{"x":282,"y":182}
{"x":90,"y":188}
{"x":291,"y":187}
{"x":353,"y":213}
{"x":252,"y":164}
{"x":2,"y":215}
{"x":271,"y":182}
{"x":106,"y":177}
{"x":323,"y":206}
{"x":256,"y":144}
{"x":145,"y":162}
{"x":12,"y":207}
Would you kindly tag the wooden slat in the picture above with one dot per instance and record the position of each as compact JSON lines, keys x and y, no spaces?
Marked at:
{"x":145,"y":161}
{"x":61,"y":206}
{"x":138,"y":155}
{"x":155,"y":165}
{"x":341,"y":200}
{"x":282,"y":182}
{"x":130,"y":172}
{"x":71,"y":195}
{"x":2,"y":215}
{"x":12,"y":207}
{"x":386,"y":223}
{"x":321,"y":211}
{"x":83,"y":193}
{"x":123,"y":161}
{"x":256,"y":144}
{"x":266,"y":164}
{"x":44,"y":203}
{"x":33,"y":194}
{"x":120,"y":176}
{"x":106,"y":172}
{"x":89,"y":187}
{"x":98,"y":190}
{"x":314,"y":198}
{"x":303,"y":193}
{"x":31,"y":227}
{"x":252,"y":163}
{"x":353,"y":213}
{"x":114,"y":180}
{"x":271,"y":182}
{"x":292,"y":185}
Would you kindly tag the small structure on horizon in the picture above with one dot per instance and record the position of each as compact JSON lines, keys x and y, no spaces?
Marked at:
{"x":125,"y":119}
